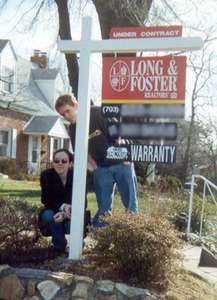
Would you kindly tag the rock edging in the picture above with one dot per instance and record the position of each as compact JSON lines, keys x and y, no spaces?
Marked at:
{"x":34,"y":284}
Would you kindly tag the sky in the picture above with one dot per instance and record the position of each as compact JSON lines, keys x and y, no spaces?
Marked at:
{"x":196,"y":14}
{"x":43,"y":35}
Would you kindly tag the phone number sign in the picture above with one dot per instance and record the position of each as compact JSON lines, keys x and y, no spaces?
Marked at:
{"x":145,"y":80}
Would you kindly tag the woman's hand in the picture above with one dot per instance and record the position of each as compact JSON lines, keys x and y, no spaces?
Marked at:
{"x":67,"y":210}
{"x":59,"y":217}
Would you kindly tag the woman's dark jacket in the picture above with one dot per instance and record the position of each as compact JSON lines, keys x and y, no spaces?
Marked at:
{"x":53,"y":192}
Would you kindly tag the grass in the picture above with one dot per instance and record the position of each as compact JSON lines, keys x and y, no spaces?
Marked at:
{"x":186,"y":286}
{"x":25,"y":190}
{"x":30,"y":191}
{"x":150,"y":200}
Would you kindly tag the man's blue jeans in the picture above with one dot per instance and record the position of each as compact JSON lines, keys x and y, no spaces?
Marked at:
{"x":58,"y":230}
{"x":105,"y":178}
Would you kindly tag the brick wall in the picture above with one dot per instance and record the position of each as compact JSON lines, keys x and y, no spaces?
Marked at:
{"x":14,"y":119}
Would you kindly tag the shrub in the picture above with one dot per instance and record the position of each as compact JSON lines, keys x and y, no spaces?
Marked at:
{"x":8,"y":166}
{"x":180,"y":213}
{"x":169,"y":184}
{"x":25,"y":176}
{"x":13,"y":169}
{"x":141,"y":247}
{"x":19,"y":232}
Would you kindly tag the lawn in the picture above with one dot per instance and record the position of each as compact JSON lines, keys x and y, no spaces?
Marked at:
{"x":30,"y":191}
{"x":150,"y":199}
{"x":25,"y":190}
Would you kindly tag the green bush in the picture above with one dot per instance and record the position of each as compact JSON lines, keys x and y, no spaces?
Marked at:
{"x":141,"y":247}
{"x":25,"y":176}
{"x":8,"y":166}
{"x":18,"y":226}
{"x":180,"y":208}
{"x":169,"y":184}
{"x":13,"y":170}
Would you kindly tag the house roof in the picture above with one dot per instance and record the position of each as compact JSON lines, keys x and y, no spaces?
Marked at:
{"x":3,"y":43}
{"x":29,"y":98}
{"x":40,"y":124}
{"x":46,"y":125}
{"x":44,"y":74}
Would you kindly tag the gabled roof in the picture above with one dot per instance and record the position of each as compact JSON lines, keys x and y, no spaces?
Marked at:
{"x":44,"y":74}
{"x":29,"y":98}
{"x":40,"y":124}
{"x":46,"y":125}
{"x":3,"y":43}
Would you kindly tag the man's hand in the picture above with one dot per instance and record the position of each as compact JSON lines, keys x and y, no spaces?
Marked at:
{"x":120,"y":141}
{"x":91,"y":163}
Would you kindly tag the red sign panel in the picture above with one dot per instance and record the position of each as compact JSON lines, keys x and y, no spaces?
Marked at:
{"x":146,"y":32}
{"x":155,"y":79}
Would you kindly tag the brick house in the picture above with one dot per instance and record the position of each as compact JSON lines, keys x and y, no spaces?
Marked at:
{"x":30,"y":129}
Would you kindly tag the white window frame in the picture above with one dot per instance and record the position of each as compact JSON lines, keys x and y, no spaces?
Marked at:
{"x":11,"y":146}
{"x":7,"y":146}
{"x":60,"y":144}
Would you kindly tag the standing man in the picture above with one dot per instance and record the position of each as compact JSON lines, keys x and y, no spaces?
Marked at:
{"x":105,"y":174}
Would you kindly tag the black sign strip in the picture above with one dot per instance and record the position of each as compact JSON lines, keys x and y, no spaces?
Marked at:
{"x":152,"y":111}
{"x":142,"y":153}
{"x":158,"y":111}
{"x":143,"y":131}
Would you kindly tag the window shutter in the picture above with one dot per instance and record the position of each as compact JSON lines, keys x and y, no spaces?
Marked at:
{"x":13,"y":142}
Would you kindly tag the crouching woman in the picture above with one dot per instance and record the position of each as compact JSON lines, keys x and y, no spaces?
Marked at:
{"x":56,"y":194}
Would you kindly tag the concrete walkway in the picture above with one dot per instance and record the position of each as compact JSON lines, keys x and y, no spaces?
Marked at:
{"x":191,"y":261}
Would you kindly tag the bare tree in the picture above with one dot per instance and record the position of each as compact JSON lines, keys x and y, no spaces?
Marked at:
{"x":111,"y":13}
{"x":122,"y":13}
{"x":202,"y":68}
{"x":65,"y":34}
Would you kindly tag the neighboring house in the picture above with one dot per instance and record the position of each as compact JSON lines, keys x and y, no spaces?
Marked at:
{"x":30,"y":129}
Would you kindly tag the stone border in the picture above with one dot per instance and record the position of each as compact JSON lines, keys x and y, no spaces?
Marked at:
{"x":35,"y":284}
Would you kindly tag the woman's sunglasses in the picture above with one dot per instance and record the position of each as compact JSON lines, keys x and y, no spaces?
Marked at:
{"x":62,"y":161}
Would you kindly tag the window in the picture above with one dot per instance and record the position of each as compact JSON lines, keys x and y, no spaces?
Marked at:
{"x":7,"y":79}
{"x":57,"y":144}
{"x":35,"y":149}
{"x":4,"y":143}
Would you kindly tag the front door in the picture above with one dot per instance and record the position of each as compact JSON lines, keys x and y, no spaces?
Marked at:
{"x":34,"y":154}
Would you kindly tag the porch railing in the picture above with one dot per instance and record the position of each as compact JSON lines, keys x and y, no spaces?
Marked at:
{"x":208,"y":186}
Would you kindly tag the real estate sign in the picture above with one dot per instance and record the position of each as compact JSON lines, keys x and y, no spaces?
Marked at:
{"x":144,"y":80}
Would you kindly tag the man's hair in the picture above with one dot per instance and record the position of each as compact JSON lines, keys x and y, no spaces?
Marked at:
{"x":65,"y":99}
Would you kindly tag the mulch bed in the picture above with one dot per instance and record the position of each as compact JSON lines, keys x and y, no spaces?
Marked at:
{"x":43,"y":258}
{"x":27,"y":256}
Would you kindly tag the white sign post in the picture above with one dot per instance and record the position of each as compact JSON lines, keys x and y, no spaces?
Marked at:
{"x":86,"y":46}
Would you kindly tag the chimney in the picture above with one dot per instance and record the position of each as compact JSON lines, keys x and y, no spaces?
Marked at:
{"x":40,"y":59}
